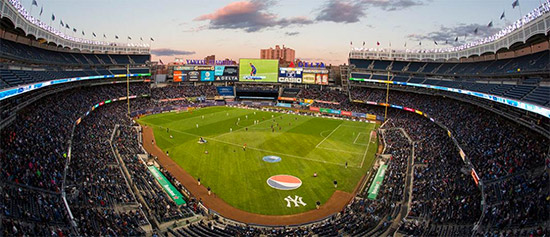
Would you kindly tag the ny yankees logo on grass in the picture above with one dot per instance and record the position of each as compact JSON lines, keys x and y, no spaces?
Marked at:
{"x":297,"y":200}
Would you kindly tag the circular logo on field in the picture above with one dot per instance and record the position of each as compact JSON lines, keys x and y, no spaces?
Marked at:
{"x":284,"y":182}
{"x":271,"y":159}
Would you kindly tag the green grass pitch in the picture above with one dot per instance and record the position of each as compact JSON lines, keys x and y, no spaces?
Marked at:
{"x":306,"y":145}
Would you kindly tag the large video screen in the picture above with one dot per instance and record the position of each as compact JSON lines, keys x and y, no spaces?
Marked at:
{"x":258,"y":70}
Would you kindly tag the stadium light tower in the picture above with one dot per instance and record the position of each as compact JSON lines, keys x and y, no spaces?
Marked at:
{"x":387,"y":96}
{"x":128,"y":87}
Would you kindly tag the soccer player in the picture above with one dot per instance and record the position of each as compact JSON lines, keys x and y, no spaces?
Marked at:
{"x":244,"y":147}
{"x":335,"y":184}
{"x":252,"y":70}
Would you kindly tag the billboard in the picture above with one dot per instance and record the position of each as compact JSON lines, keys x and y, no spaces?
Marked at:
{"x":290,"y":75}
{"x":178,"y":76}
{"x":225,"y":91}
{"x":226,"y":73}
{"x":308,"y":78}
{"x":258,"y":70}
{"x":207,"y":75}
{"x":193,"y":75}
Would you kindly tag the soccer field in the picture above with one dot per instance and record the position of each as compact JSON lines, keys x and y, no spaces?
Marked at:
{"x":305,"y":144}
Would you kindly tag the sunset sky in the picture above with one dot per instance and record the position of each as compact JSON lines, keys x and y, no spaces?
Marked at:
{"x":317,"y":30}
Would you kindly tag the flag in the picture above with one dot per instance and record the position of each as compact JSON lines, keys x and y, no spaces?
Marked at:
{"x":363,"y":43}
{"x":61,"y":22}
{"x":34,"y":3}
{"x":152,"y":39}
{"x":435,"y":42}
{"x":41,"y":10}
{"x":475,"y":31}
{"x":67,"y":26}
{"x":446,"y":42}
{"x":160,"y":60}
{"x":53,"y":17}
{"x":104,"y":36}
{"x":141,"y":38}
{"x":490,"y":24}
{"x":377,"y":43}
{"x":350,"y":43}
{"x":74,"y":29}
{"x":502,"y":16}
{"x":390,"y":44}
{"x":515,"y":4}
{"x":456,"y":39}
{"x":405,"y":44}
{"x":420,"y":43}
{"x":83,"y":33}
{"x":116,"y":36}
{"x":93,"y":33}
{"x":129,"y":37}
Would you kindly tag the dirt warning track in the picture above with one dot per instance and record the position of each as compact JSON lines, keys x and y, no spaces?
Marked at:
{"x":336,"y":202}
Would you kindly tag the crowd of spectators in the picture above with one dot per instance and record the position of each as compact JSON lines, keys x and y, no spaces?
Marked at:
{"x":183,"y":91}
{"x":33,"y":154}
{"x":497,"y":146}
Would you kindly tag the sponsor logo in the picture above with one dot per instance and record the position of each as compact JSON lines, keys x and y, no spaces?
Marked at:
{"x":284,"y":182}
{"x":297,"y":200}
{"x":290,"y":79}
{"x":271,"y":159}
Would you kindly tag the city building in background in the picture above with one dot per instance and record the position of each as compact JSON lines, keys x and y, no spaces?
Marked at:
{"x":284,"y":54}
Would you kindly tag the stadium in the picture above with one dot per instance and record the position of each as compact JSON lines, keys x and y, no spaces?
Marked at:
{"x":100,"y":137}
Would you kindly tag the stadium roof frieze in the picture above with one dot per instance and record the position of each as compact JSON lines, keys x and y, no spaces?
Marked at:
{"x":14,"y":11}
{"x":534,"y":23}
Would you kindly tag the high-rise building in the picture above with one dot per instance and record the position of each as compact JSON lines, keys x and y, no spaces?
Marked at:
{"x":210,"y":59}
{"x":283,"y":54}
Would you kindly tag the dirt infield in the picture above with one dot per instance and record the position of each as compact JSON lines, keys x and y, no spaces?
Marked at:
{"x":336,"y":202}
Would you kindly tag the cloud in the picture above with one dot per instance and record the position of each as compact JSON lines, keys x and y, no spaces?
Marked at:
{"x":292,"y":33}
{"x":170,"y":52}
{"x":449,"y":34}
{"x":250,"y":16}
{"x":341,"y":12}
{"x":393,"y":5}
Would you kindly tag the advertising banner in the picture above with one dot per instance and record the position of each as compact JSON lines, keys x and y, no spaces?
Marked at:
{"x":168,"y":187}
{"x":359,"y":115}
{"x":287,"y":98}
{"x":226,"y":73}
{"x":258,"y":70}
{"x":178,"y":76}
{"x":324,"y":110}
{"x":346,"y":113}
{"x":377,"y":182}
{"x":207,"y":75}
{"x":371,"y":117}
{"x":225,"y":91}
{"x":290,"y":75}
{"x":308,"y":78}
{"x":218,"y":70}
{"x":193,"y":75}
{"x":286,"y":105}
{"x":334,"y":111}
{"x":314,"y":108}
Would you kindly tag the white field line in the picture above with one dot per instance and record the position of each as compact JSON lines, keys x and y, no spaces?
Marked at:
{"x":344,"y":151}
{"x":258,"y":149}
{"x":328,"y":136}
{"x":367,"y":150}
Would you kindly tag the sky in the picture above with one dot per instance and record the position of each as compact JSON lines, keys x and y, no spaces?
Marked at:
{"x":319,"y":30}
